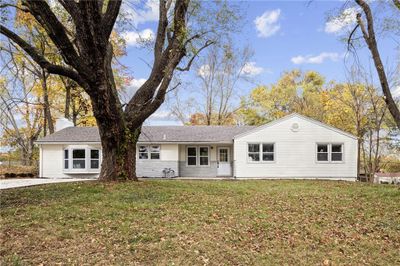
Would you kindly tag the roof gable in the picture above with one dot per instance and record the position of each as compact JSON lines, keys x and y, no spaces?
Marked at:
{"x":316,"y":122}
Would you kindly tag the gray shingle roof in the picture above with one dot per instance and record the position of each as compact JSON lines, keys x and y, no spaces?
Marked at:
{"x":154,"y":134}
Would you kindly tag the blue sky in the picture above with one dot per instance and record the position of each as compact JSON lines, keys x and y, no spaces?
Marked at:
{"x":284,"y":35}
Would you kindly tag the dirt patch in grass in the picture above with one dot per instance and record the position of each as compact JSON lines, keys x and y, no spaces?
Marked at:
{"x":201,"y":222}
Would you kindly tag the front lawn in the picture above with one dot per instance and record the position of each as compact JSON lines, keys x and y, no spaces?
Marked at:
{"x":201,"y":222}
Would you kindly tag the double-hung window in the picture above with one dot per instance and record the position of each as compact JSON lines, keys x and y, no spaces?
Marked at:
{"x":66,"y":160}
{"x":268,"y":152}
{"x":192,"y":156}
{"x":94,"y":159}
{"x":254,"y":152}
{"x":203,"y":155}
{"x":198,"y":156}
{"x":143,"y":152}
{"x":261,"y":152}
{"x":149,"y":152}
{"x":322,"y":152}
{"x":155,"y":152}
{"x":330,"y":152}
{"x":337,"y":152}
{"x":78,"y":158}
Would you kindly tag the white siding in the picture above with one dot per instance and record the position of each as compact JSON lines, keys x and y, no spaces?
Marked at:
{"x":52,"y":161}
{"x":169,"y":156}
{"x":169,"y":152}
{"x":295,"y":152}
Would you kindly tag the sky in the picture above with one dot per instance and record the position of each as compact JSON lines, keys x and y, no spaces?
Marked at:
{"x":284,"y":35}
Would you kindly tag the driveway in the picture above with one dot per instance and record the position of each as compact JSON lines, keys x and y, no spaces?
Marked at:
{"x":27,"y":182}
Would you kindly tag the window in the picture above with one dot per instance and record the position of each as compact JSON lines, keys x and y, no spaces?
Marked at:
{"x":261,"y":152}
{"x":78,"y":159}
{"x":336,"y":152}
{"x":191,"y":155}
{"x":198,"y":156}
{"x":149,"y":152}
{"x":143,"y":152}
{"x":329,"y":152}
{"x":223,"y":155}
{"x":155,"y":152}
{"x":94,"y":159}
{"x":322,"y":152}
{"x":66,"y":161}
{"x":254,"y":152}
{"x":203,"y":155}
{"x":268,"y":152}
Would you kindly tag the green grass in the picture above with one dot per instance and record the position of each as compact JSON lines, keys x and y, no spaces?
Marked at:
{"x":201,"y":222}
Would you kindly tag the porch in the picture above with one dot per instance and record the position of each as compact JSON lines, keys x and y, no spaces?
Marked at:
{"x":205,"y":160}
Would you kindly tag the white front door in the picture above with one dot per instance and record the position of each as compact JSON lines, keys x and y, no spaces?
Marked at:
{"x":224,"y":163}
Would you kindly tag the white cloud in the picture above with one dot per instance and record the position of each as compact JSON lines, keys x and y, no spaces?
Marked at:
{"x":250,"y":69}
{"x":134,"y":38}
{"x":161,"y":115}
{"x":396,"y":91}
{"x":139,"y":14}
{"x":345,"y":21}
{"x":318,"y":59}
{"x":267,"y":24}
{"x":131,"y":89}
{"x":204,"y":71}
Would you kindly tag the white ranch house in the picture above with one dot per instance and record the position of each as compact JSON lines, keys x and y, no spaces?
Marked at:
{"x":291,"y":147}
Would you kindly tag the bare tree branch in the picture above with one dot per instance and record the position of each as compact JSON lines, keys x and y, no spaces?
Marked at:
{"x":187,"y":67}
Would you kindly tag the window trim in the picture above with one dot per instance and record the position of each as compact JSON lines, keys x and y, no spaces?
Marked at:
{"x":329,"y":161}
{"x":159,"y":152}
{"x":342,"y":149}
{"x":84,"y":159}
{"x":87,"y":159}
{"x":94,"y":159}
{"x":208,"y":156}
{"x":66,"y":159}
{"x":260,"y":152}
{"x":197,"y":147}
{"x":327,"y":152}
{"x":187,"y":156}
{"x":148,"y":152}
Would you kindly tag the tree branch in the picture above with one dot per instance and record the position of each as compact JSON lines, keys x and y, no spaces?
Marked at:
{"x":397,"y":3}
{"x":40,"y":60}
{"x":349,"y":40}
{"x":72,"y":8}
{"x":14,"y":6}
{"x":57,"y":33}
{"x":111,"y":15}
{"x":187,"y":68}
{"x":369,"y":36}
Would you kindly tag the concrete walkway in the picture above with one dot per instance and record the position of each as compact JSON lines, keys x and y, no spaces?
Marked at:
{"x":27,"y":182}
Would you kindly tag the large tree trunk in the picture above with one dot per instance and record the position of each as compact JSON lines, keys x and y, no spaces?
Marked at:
{"x":119,"y":154}
{"x":88,"y":62}
{"x":118,"y":135}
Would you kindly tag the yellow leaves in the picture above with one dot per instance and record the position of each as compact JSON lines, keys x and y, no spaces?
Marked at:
{"x":118,"y":44}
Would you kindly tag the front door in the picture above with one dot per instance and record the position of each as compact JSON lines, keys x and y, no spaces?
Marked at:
{"x":224,"y":162}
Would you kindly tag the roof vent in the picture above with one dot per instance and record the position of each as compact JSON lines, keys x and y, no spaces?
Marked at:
{"x":164,"y":137}
{"x":295,"y":127}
